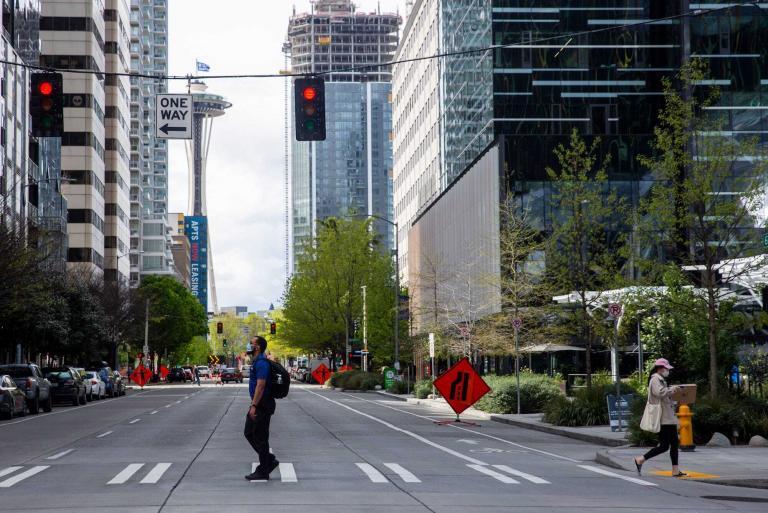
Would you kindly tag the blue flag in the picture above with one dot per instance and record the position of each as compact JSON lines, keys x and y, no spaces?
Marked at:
{"x":201,"y":66}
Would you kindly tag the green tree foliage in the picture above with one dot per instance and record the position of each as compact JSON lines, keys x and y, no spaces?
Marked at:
{"x":175,"y":315}
{"x":324,"y":297}
{"x":707,"y":196}
{"x":193,"y":352}
{"x":586,"y":246}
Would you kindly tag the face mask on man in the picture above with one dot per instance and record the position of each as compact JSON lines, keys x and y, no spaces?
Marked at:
{"x":664,"y":373}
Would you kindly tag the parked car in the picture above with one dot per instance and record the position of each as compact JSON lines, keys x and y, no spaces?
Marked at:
{"x":119,"y":383}
{"x":66,"y":385}
{"x":108,"y":379}
{"x":231,"y":374}
{"x":204,"y":370}
{"x":189,"y":374}
{"x":246,"y":372}
{"x":31,"y":381}
{"x":87,"y":382}
{"x":98,"y":387}
{"x":13,"y":401}
{"x":300,"y":374}
{"x":176,"y":375}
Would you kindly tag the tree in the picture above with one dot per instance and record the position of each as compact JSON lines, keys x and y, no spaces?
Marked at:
{"x":708,"y":191}
{"x":175,"y":315}
{"x":324,"y":297}
{"x":586,"y":245}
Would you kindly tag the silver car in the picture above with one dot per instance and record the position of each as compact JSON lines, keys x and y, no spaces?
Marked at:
{"x":98,"y":388}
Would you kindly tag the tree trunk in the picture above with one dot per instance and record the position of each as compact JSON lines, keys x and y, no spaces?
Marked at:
{"x":586,"y":336}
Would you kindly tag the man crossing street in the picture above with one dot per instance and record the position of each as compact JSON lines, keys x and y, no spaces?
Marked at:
{"x":260,"y":411}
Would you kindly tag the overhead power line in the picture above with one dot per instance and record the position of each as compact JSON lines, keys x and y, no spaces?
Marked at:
{"x":368,"y":67}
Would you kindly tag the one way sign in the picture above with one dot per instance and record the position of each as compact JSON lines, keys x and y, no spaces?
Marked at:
{"x":173,"y":116}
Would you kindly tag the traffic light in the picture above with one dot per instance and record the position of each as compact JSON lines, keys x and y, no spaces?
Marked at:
{"x":225,"y":342}
{"x":273,"y":328}
{"x":219,"y":328}
{"x":46,"y":105}
{"x":309,"y":100}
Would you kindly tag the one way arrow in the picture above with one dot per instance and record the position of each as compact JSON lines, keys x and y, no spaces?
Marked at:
{"x":165,"y":129}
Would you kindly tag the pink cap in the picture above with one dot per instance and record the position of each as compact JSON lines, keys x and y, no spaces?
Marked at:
{"x":663,"y":362}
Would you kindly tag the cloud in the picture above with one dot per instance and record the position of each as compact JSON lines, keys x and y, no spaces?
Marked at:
{"x":246,"y":159}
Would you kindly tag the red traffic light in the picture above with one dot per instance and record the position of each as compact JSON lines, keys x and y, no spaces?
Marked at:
{"x":220,"y":328}
{"x":45,"y":88}
{"x":309,"y":93}
{"x":273,"y":328}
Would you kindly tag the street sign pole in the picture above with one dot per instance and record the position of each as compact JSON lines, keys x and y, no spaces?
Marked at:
{"x":615,"y":310}
{"x":517,"y":367}
{"x":364,"y":353}
{"x":432,"y":361}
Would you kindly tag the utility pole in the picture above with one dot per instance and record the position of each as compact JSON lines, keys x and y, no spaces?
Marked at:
{"x":146,"y":333}
{"x":397,"y":299}
{"x":365,"y":333}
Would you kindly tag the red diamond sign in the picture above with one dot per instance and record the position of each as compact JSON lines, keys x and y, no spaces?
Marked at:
{"x":141,"y":375}
{"x":164,"y":371}
{"x":461,"y":386}
{"x":321,"y":374}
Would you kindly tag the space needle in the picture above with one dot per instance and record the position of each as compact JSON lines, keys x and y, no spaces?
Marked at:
{"x":206,"y":107}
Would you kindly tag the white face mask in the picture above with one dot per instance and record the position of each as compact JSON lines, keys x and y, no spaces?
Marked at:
{"x":664,"y":373}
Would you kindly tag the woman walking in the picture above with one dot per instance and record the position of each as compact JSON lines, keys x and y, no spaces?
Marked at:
{"x":659,"y":417}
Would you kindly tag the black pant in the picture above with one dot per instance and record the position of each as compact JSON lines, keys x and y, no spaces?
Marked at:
{"x":667,"y":441}
{"x":257,"y":434}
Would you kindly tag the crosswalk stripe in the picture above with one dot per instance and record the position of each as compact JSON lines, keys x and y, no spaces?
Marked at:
{"x":156,"y":473}
{"x":60,"y":455}
{"x":500,"y":477}
{"x":618,"y":476}
{"x":153,"y":412}
{"x":134,"y":421}
{"x":126,"y":473}
{"x":9,"y":470}
{"x":287,"y":473}
{"x":21,"y":477}
{"x":104,"y":434}
{"x":404,"y":474}
{"x":373,"y":474}
{"x":529,"y":477}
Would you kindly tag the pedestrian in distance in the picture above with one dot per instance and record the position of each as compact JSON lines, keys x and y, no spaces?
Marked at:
{"x":197,"y":375}
{"x":260,"y":410}
{"x":659,"y":417}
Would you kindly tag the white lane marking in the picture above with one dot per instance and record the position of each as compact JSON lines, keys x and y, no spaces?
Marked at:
{"x":178,"y":402}
{"x":68,"y":410}
{"x":153,"y":412}
{"x":9,"y":470}
{"x":618,"y":476}
{"x":105,"y":434}
{"x":134,"y":421}
{"x":156,"y":473}
{"x":167,"y":406}
{"x":514,"y":472}
{"x":126,"y":473}
{"x":404,"y":474}
{"x":401,"y":430}
{"x":475,"y":432}
{"x":21,"y":477}
{"x":373,"y":474}
{"x":287,"y":473}
{"x":494,"y":474}
{"x":60,"y":455}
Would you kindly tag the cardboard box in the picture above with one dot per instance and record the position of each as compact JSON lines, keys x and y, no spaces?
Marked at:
{"x":685,"y":394}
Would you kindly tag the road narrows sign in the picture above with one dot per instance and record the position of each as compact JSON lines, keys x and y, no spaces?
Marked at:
{"x":173,"y":116}
{"x":141,"y":375}
{"x":461,"y":386}
{"x":321,"y":374}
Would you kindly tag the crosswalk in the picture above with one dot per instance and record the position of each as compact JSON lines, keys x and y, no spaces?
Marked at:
{"x":379,"y":474}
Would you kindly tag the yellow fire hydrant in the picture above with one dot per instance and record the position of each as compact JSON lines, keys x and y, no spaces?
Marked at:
{"x":685,"y":430}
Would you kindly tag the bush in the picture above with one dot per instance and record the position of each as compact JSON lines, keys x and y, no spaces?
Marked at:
{"x":747,"y":416}
{"x":536,"y":391}
{"x":587,"y":408}
{"x":398,"y":387}
{"x":422,"y":388}
{"x":356,"y":380}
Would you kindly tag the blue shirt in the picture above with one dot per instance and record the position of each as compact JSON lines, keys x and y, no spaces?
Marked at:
{"x":260,"y":369}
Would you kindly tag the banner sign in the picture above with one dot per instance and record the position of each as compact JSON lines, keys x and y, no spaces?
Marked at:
{"x":196,"y":230}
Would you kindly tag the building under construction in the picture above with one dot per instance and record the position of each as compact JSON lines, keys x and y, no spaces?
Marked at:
{"x":349,"y":172}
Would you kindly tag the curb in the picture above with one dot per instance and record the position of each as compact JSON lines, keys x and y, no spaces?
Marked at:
{"x":604,"y":457}
{"x":403,"y":398}
{"x":555,"y":430}
{"x":443,"y":406}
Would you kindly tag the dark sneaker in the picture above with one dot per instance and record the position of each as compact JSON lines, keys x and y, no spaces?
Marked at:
{"x":257,"y":476}
{"x":273,"y":465}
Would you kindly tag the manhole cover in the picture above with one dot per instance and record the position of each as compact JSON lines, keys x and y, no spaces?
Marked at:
{"x":733,"y":499}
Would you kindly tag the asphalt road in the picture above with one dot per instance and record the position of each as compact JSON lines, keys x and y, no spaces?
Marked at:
{"x":181,"y":449}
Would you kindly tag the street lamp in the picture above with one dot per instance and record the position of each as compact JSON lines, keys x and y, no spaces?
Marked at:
{"x":397,"y":287}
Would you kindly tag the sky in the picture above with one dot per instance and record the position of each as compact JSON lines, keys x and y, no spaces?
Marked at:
{"x":246,"y":158}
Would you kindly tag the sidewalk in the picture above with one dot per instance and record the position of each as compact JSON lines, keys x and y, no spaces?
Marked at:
{"x":601,"y":435}
{"x":736,"y":466}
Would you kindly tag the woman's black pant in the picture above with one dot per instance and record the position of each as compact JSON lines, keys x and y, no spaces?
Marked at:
{"x":667,"y":442}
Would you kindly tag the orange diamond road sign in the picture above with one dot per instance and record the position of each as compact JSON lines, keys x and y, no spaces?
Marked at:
{"x":461,"y":386}
{"x":141,"y":375}
{"x":321,"y":374}
{"x":163,"y":371}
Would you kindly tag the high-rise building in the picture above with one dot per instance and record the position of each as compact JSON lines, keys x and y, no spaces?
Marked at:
{"x":416,"y":120}
{"x":350,"y":173}
{"x":73,"y":36}
{"x":181,"y":248}
{"x":151,"y":240}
